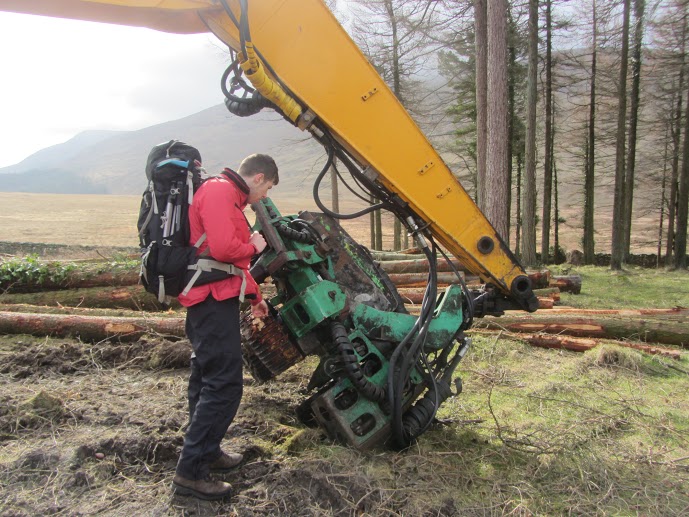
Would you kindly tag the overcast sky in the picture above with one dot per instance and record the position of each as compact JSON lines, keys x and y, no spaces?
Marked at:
{"x":61,"y":77}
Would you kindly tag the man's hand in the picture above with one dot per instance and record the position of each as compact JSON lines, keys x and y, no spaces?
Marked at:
{"x":260,"y":310}
{"x":258,"y":241}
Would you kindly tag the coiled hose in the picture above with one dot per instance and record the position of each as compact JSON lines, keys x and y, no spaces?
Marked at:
{"x":351,"y":364}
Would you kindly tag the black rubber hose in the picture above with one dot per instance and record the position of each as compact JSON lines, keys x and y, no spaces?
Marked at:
{"x":295,"y":235}
{"x":351,"y":364}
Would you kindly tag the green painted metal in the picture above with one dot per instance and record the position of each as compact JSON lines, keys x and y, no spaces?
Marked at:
{"x":394,"y":326}
{"x":318,"y":302}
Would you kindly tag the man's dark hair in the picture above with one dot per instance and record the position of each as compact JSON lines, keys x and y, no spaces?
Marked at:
{"x":257,"y":164}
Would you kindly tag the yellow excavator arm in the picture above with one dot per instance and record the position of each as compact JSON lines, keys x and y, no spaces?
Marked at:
{"x":297,"y":55}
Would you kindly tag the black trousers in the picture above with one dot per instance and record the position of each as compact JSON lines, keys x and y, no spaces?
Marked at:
{"x":215,"y":384}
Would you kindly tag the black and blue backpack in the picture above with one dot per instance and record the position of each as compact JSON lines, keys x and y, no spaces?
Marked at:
{"x":169,"y":265}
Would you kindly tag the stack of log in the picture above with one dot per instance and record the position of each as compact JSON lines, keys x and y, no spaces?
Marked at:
{"x":101,"y":306}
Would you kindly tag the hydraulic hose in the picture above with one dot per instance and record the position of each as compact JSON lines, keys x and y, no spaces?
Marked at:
{"x":269,"y":88}
{"x":351,"y":364}
{"x":302,"y":236}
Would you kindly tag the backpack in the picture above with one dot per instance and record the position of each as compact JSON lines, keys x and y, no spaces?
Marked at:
{"x":169,"y":265}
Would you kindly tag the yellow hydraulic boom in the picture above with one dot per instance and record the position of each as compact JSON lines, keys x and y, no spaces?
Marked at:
{"x":296,"y":54}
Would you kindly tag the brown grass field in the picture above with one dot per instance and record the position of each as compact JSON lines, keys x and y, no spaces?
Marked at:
{"x":110,"y":221}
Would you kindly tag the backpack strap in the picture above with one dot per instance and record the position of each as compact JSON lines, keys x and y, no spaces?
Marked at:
{"x":152,"y":210}
{"x":204,"y":265}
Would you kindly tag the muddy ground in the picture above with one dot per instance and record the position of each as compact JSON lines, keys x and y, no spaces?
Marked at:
{"x":96,"y":429}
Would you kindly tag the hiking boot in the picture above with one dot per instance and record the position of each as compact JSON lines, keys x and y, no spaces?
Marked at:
{"x":207,"y":489}
{"x":226,"y":462}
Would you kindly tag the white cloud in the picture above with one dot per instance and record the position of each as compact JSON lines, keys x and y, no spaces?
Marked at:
{"x":60,"y":77}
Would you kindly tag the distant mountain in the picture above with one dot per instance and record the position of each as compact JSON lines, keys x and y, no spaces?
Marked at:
{"x":112,"y":162}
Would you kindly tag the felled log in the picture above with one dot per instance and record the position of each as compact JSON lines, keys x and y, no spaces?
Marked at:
{"x":545,"y":303}
{"x":132,"y":297}
{"x":549,"y":292}
{"x":421,"y":279}
{"x":84,"y":311}
{"x":539,"y":279}
{"x":671,"y":329}
{"x":631,"y":313}
{"x":418,"y":266}
{"x":80,"y":278}
{"x":576,"y":344}
{"x":382,"y":256}
{"x":567,"y":284}
{"x":415,"y":297}
{"x":88,"y":328}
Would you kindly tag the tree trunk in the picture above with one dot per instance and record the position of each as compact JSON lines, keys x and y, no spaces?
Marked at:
{"x":548,"y":166}
{"x":669,"y":329}
{"x":372,"y":222}
{"x":676,"y":128}
{"x":497,"y":209}
{"x":481,"y":30}
{"x":639,"y":6}
{"x":617,"y":255}
{"x":662,"y":196}
{"x":557,"y":256}
{"x":683,"y":199}
{"x":528,"y":254}
{"x":379,"y":230}
{"x":131,"y":297}
{"x":335,"y":195}
{"x":589,"y":179}
{"x":518,"y":230}
{"x":510,"y":132}
{"x":89,"y":328}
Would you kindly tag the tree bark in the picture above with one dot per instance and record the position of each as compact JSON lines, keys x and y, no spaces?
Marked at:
{"x":683,"y":199}
{"x":589,"y":179}
{"x":418,"y":266}
{"x":497,"y":209}
{"x":335,"y":195}
{"x":639,"y":6}
{"x":85,"y":311}
{"x":81,"y":277}
{"x":131,"y":297}
{"x":89,"y":328}
{"x":583,"y":344}
{"x":676,"y":128}
{"x":566,"y":284}
{"x":528,"y":253}
{"x":481,"y":44}
{"x":662,"y":198}
{"x":421,"y":279}
{"x":548,"y":166}
{"x":667,"y":328}
{"x":617,"y":255}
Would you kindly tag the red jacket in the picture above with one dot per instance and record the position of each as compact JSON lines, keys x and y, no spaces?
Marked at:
{"x":217,"y":211}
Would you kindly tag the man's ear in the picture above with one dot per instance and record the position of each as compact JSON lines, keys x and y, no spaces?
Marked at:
{"x":258,"y":178}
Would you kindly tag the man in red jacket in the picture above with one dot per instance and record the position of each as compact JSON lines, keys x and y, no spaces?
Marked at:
{"x":212,"y":325}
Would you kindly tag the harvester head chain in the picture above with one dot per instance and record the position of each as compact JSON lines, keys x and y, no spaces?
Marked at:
{"x":266,"y":347}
